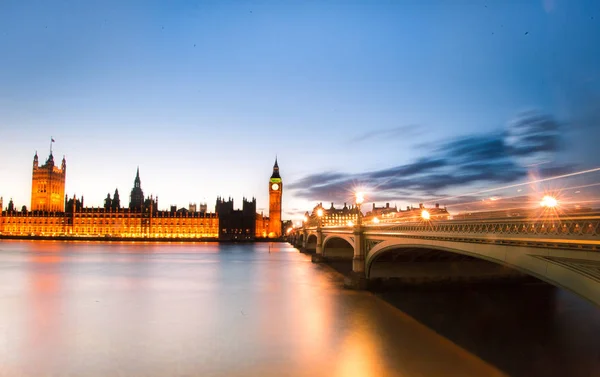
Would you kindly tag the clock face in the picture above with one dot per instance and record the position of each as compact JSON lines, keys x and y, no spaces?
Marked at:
{"x":275,"y":186}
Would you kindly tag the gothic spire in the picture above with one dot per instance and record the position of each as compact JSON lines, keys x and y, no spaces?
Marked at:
{"x":137,"y":182}
{"x":275,"y":170}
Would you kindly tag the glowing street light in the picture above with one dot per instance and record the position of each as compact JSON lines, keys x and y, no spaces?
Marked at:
{"x":350,"y":223}
{"x":360,"y":198}
{"x":375,"y":220}
{"x":425,"y":215}
{"x":320,"y":215}
{"x":549,"y":201}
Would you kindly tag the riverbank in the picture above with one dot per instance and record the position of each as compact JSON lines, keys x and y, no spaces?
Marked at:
{"x":132,"y":239}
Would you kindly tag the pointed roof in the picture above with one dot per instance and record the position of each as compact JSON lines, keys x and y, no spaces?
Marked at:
{"x":137,"y":184}
{"x":275,"y":170}
{"x":50,"y":159}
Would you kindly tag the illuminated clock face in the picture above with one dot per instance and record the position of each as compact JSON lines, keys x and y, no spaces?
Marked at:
{"x":275,"y":186}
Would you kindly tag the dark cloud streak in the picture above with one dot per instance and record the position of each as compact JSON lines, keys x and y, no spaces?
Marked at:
{"x":387,"y":133}
{"x":492,"y":158}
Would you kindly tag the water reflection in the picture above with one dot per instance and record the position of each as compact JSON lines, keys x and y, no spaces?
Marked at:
{"x":90,"y":309}
{"x":359,"y":356}
{"x":526,"y":330}
{"x":43,"y":305}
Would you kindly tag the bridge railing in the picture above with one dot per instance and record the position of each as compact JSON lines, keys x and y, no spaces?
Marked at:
{"x":585,"y":229}
{"x":578,"y":228}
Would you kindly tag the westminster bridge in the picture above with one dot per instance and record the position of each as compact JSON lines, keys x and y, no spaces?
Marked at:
{"x":564,"y":252}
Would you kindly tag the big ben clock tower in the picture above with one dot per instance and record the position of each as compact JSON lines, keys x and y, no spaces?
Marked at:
{"x":275,"y":190}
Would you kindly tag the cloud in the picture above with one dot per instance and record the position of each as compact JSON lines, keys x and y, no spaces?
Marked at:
{"x":551,"y":171}
{"x":295,"y":213}
{"x":316,"y":179}
{"x":490,"y":158}
{"x":387,"y":133}
{"x":532,"y":135}
{"x":475,"y":148}
{"x":417,"y":167}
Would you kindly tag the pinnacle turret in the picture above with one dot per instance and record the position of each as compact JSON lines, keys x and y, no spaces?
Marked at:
{"x":275,"y":170}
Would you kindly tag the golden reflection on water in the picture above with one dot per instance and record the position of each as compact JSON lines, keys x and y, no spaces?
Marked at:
{"x":317,"y":313}
{"x":359,"y":356}
{"x":43,"y":305}
{"x":246,"y":310}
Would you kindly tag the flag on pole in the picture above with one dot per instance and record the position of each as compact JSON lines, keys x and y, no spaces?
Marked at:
{"x":52,"y":139}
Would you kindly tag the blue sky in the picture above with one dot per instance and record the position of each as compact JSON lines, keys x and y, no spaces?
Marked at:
{"x":202,"y":95}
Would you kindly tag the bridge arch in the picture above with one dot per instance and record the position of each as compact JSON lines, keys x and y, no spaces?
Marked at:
{"x":399,"y":244}
{"x":339,"y":246}
{"x":311,"y":242}
{"x":553,"y":266}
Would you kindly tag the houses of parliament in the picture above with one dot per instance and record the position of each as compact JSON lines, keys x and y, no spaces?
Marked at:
{"x":54,"y":214}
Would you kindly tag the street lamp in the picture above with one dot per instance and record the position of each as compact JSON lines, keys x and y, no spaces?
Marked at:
{"x":549,"y":201}
{"x":425,"y":215}
{"x":319,"y":215}
{"x":360,"y":198}
{"x":304,"y":222}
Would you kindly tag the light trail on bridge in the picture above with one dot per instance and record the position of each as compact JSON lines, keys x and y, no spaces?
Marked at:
{"x":516,"y":185}
{"x":583,"y":186}
{"x":528,"y":200}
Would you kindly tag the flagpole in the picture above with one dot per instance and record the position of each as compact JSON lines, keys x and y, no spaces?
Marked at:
{"x":51,"y":140}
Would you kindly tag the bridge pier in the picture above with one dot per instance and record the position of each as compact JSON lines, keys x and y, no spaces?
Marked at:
{"x":358,"y":278}
{"x":318,"y":256}
{"x":301,"y":241}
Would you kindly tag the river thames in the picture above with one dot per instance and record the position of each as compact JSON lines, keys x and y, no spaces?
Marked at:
{"x":144,"y":309}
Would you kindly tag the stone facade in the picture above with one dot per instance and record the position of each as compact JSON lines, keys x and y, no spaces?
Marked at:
{"x":100,"y":222}
{"x":53,"y":214}
{"x":48,"y":185}
{"x":333,"y":216}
